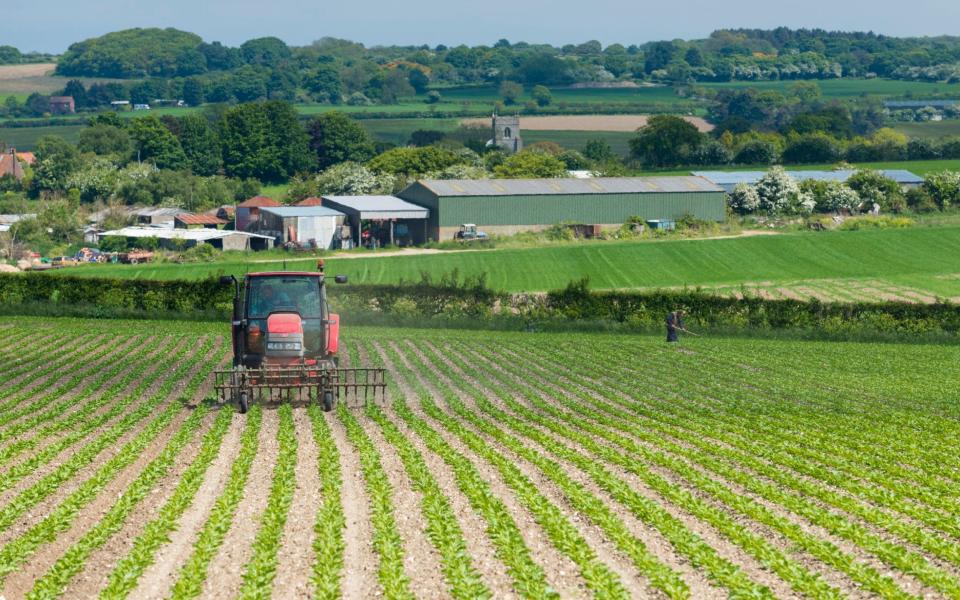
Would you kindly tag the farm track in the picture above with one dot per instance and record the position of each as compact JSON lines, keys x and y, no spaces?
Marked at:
{"x":505,"y":466}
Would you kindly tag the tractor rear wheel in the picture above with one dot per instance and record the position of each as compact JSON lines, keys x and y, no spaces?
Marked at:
{"x":244,"y":403}
{"x":327,"y":401}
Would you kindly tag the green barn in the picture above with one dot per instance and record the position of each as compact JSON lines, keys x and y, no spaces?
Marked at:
{"x":508,"y":206}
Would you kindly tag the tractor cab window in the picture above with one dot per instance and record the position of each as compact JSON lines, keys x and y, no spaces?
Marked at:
{"x":283,"y":294}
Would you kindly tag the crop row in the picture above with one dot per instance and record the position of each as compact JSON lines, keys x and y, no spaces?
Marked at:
{"x":700,"y":447}
{"x":60,"y":519}
{"x":77,"y":425}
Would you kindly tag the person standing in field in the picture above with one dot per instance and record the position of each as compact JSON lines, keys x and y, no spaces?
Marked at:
{"x":674,"y":325}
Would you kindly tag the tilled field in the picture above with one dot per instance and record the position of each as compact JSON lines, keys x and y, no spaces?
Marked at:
{"x":505,"y":465}
{"x":833,"y":290}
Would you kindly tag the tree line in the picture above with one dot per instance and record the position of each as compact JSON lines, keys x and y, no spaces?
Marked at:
{"x":726,"y":55}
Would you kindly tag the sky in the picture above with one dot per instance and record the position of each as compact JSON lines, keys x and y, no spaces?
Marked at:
{"x":52,"y":25}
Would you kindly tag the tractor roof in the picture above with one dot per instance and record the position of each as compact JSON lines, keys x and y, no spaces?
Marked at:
{"x":286,"y":274}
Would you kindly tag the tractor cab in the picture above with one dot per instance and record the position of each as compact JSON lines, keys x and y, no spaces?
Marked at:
{"x":283,"y":319}
{"x":285,"y":342}
{"x":469,"y":233}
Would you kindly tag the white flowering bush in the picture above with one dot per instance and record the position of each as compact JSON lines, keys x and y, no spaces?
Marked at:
{"x":777,"y":190}
{"x":837,"y":196}
{"x":97,"y":181}
{"x":744,"y":199}
{"x":349,"y":178}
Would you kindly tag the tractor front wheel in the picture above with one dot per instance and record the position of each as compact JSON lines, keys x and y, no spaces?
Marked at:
{"x":327,"y":401}
{"x":244,"y":403}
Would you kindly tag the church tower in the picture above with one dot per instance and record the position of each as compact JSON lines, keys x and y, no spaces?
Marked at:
{"x":506,"y":133}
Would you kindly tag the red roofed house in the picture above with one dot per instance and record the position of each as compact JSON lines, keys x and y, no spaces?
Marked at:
{"x":62,"y":105}
{"x":27,"y":158}
{"x":198,"y":222}
{"x":248,"y":212}
{"x":10,"y":166}
{"x":310,"y":202}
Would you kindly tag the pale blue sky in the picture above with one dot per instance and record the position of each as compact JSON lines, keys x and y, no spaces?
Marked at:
{"x":51,"y":25}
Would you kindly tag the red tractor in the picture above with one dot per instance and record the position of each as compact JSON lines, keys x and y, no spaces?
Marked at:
{"x":285,"y":343}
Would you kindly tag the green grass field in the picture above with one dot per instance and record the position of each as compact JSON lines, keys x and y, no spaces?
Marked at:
{"x":25,"y":138}
{"x":490,"y":94}
{"x":846,"y":88}
{"x":919,"y":167}
{"x":929,"y":255}
{"x":930,"y":129}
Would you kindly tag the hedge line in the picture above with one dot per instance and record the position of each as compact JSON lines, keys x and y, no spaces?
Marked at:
{"x":576,"y":302}
{"x":472,"y":300}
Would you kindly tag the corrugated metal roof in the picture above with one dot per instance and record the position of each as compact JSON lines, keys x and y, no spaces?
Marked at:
{"x":160,"y":212}
{"x":200,"y":220}
{"x":751,"y":177}
{"x":302,"y":211}
{"x":8,"y":219}
{"x":597,"y":185}
{"x":379,"y":207}
{"x":199,"y":235}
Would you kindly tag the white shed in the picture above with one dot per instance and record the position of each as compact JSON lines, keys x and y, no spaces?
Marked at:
{"x":314,"y":226}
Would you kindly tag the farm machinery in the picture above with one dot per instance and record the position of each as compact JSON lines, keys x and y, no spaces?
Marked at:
{"x":285,"y":344}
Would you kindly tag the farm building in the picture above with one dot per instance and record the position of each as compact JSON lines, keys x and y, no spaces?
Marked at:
{"x":218,"y":238}
{"x":7,"y":221}
{"x":508,"y":206}
{"x":387,"y":219}
{"x":158,"y":217}
{"x":188,"y":221}
{"x":313,"y":226}
{"x":62,"y":105}
{"x":248,"y":212}
{"x":729,"y":179}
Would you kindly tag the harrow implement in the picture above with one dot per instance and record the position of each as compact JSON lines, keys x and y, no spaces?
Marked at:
{"x":302,"y":383}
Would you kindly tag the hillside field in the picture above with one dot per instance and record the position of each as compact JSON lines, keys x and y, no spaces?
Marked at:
{"x":930,"y":129}
{"x":924,"y":260}
{"x":501,"y":465}
{"x":845,"y":88}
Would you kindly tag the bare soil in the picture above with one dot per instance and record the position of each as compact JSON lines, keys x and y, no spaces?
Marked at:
{"x":698,"y":584}
{"x":295,"y":557}
{"x":360,"y":562}
{"x":225,"y":575}
{"x":421,"y":561}
{"x":481,"y":550}
{"x":159,"y":578}
{"x":8,"y":72}
{"x":561,"y":572}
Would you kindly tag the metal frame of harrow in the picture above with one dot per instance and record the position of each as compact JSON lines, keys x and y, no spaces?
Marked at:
{"x":356,"y":387}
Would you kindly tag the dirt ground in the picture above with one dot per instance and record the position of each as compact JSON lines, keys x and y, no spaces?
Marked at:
{"x":587,"y":123}
{"x":8,"y":72}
